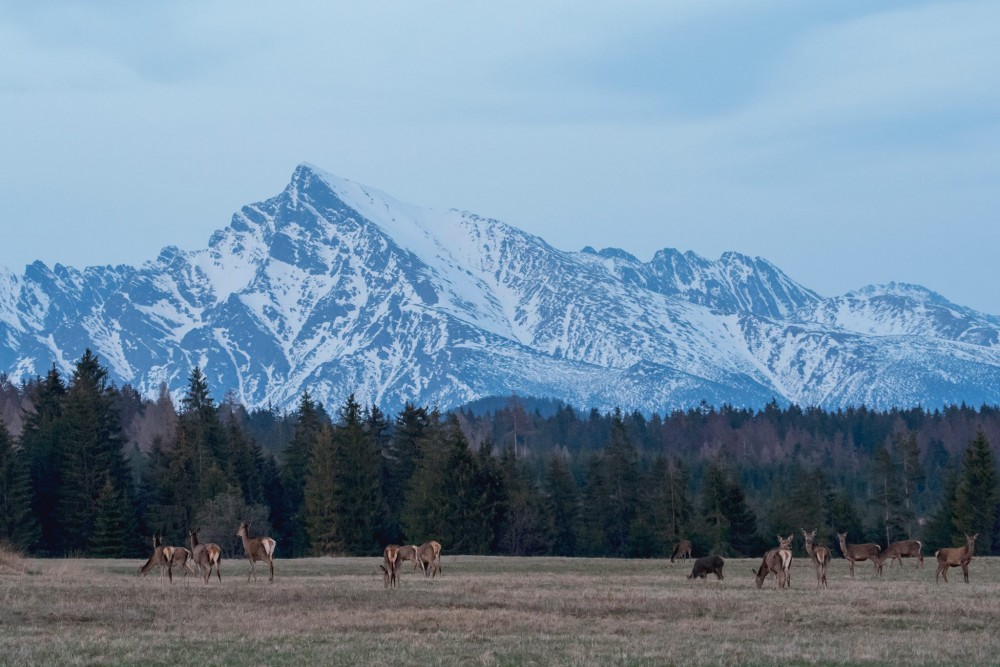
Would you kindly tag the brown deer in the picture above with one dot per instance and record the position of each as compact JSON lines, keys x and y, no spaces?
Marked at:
{"x":899,"y":551}
{"x":156,"y":560}
{"x":776,"y":562}
{"x":956,"y":557}
{"x":859,"y":552}
{"x":682,"y":551}
{"x":429,"y":556}
{"x":177,"y":557}
{"x":206,"y":556}
{"x":390,"y":566}
{"x":257,"y":549}
{"x":409,"y":553}
{"x":785,"y":552}
{"x":820,"y":556}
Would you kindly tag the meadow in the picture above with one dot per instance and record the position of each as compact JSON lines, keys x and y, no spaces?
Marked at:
{"x":495,"y":611}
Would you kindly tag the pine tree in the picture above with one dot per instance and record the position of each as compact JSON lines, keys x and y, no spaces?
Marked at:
{"x":91,"y":452}
{"x":975,"y":505}
{"x":359,"y":469}
{"x":562,"y":508}
{"x":309,"y":419}
{"x":112,"y":525}
{"x":44,"y":431}
{"x":18,"y":527}
{"x":321,"y":516}
{"x":204,"y":440}
{"x":399,"y":462}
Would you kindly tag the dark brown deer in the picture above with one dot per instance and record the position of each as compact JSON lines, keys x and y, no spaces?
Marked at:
{"x":899,"y":551}
{"x":206,"y":556}
{"x":257,"y":549}
{"x":429,"y":556}
{"x":158,"y":559}
{"x":707,"y":565}
{"x":390,"y":565}
{"x":956,"y":557}
{"x":820,"y":556}
{"x":682,"y":551}
{"x":859,"y":552}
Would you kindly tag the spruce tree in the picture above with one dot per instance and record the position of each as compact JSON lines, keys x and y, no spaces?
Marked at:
{"x":309,"y":419}
{"x":975,"y":506}
{"x":562,"y":508}
{"x":320,"y":512}
{"x":359,"y":472}
{"x":399,"y":462}
{"x":17,"y":523}
{"x":113,"y":528}
{"x":44,"y":431}
{"x":204,"y":440}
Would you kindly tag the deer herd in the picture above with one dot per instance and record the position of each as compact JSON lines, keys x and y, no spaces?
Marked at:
{"x":778,"y":561}
{"x":207,"y":557}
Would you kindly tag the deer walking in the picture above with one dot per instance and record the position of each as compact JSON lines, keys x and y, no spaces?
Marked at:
{"x":955,"y":557}
{"x":820,"y":556}
{"x":859,"y":552}
{"x":257,"y":549}
{"x":429,"y":556}
{"x":206,"y":556}
{"x":682,"y":551}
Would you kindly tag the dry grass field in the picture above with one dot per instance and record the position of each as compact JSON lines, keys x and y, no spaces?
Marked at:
{"x":495,"y":611}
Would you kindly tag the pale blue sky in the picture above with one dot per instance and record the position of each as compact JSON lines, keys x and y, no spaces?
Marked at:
{"x":848,"y":142}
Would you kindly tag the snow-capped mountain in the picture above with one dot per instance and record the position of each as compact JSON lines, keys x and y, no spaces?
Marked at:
{"x":335,"y":287}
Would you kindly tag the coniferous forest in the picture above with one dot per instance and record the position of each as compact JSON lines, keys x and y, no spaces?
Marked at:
{"x":92,"y":469}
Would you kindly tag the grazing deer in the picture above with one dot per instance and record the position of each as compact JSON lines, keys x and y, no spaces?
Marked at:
{"x":206,"y":556}
{"x":257,"y":549}
{"x":429,"y":556}
{"x":409,"y":553}
{"x":707,"y":565}
{"x":177,"y":557}
{"x":899,"y":551}
{"x":682,"y":551}
{"x":955,"y":557}
{"x":859,"y":552}
{"x":820,"y":557}
{"x":390,"y":566}
{"x":776,"y":562}
{"x":158,"y":559}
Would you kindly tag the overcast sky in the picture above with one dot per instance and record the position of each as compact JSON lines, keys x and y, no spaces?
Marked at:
{"x":849,"y":142}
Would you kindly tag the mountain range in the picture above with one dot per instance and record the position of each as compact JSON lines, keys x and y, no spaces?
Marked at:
{"x":337,"y":288}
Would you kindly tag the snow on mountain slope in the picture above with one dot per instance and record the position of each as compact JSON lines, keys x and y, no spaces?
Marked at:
{"x":337,"y":287}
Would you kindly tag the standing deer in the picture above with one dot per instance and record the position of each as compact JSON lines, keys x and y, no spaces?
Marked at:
{"x":820,"y":557}
{"x":177,"y":557}
{"x":257,"y":549}
{"x":859,"y":552}
{"x":206,"y":556}
{"x":429,"y":556}
{"x":158,"y":559}
{"x":899,"y":551}
{"x":390,"y":566}
{"x":409,"y":553}
{"x":707,"y":565}
{"x":955,"y":557}
{"x":682,"y":551}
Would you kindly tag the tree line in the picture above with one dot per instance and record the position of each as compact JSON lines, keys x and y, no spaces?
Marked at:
{"x":88,"y":468}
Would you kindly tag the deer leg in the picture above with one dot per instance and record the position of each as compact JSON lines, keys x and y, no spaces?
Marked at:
{"x":270,"y":565}
{"x":965,"y":571}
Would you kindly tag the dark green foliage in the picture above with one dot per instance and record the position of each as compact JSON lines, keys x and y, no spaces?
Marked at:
{"x":18,"y":527}
{"x":114,"y":530}
{"x":562,"y":507}
{"x":975,"y":505}
{"x":729,"y":525}
{"x":43,"y":432}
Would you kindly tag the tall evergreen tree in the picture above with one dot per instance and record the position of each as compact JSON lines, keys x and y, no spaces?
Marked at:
{"x":975,"y":506}
{"x":562,"y":508}
{"x":44,"y":431}
{"x":399,"y":460}
{"x":205,"y":439}
{"x":321,"y":517}
{"x":17,"y":523}
{"x":91,"y":452}
{"x":113,"y":528}
{"x":309,"y":419}
{"x":359,"y":468}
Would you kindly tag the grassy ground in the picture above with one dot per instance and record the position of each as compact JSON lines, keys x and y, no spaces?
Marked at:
{"x":495,"y":611}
